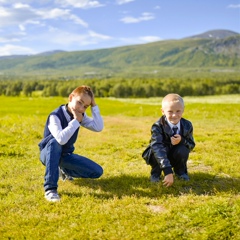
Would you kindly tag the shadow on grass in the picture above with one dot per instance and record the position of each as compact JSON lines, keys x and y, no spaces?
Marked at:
{"x":139,"y":186}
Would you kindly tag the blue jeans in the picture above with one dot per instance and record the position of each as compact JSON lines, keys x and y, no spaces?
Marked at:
{"x":72,"y":164}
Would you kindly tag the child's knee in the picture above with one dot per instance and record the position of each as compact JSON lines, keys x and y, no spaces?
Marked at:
{"x":98,"y":172}
{"x":53,"y":144}
{"x":181,"y":152}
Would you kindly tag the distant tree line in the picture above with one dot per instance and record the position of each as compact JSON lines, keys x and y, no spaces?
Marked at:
{"x":121,"y":87}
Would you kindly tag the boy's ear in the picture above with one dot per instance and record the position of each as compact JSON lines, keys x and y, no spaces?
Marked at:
{"x":162,"y":111}
{"x":70,"y":97}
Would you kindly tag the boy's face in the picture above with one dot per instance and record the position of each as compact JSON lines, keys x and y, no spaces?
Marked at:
{"x":80,"y":102}
{"x":173,"y":111}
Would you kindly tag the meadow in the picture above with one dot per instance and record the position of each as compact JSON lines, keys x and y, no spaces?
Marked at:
{"x":122,"y":204}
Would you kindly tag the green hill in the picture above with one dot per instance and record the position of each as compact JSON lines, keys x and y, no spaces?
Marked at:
{"x":184,"y":53}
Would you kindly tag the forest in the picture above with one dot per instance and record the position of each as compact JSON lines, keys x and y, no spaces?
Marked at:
{"x":124,"y":87}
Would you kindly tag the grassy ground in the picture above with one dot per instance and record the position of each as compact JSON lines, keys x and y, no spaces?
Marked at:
{"x":122,"y":204}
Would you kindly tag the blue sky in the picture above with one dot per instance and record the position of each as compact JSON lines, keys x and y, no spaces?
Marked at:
{"x":30,"y":26}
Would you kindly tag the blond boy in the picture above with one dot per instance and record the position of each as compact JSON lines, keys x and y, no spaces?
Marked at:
{"x":171,"y":142}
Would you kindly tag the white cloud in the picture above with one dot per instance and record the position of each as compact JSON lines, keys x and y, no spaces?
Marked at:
{"x":20,"y":5}
{"x":5,"y":39}
{"x":150,"y":38}
{"x":144,"y":17}
{"x":4,"y":1}
{"x":9,"y":49}
{"x":77,"y":20}
{"x":79,"y":3}
{"x":4,"y":13}
{"x":140,"y":40}
{"x":54,"y":13}
{"x":16,"y":16}
{"x":55,"y":37}
{"x":62,"y":14}
{"x":120,"y":2}
{"x":22,"y":27}
{"x":95,"y":35}
{"x":234,"y":6}
{"x":23,"y":14}
{"x":16,"y":37}
{"x":16,"y":1}
{"x":49,"y":40}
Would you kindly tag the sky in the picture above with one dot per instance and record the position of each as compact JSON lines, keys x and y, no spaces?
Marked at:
{"x":36,"y":26}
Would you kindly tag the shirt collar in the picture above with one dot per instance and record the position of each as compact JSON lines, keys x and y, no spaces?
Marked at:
{"x":65,"y":113}
{"x":69,"y":113}
{"x":172,"y":125}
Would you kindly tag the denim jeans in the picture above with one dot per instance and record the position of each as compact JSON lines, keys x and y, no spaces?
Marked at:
{"x":72,"y":164}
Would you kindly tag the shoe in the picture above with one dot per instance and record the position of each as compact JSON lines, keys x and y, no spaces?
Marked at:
{"x":154,"y":178}
{"x":52,"y":196}
{"x":184,"y":177}
{"x":64,"y":176}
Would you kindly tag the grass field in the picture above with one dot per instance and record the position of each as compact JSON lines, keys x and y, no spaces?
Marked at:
{"x":122,"y":204}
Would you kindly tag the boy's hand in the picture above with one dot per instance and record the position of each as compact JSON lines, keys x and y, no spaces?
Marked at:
{"x":176,"y":139}
{"x":77,"y":115}
{"x":93,"y":104}
{"x":168,"y":180}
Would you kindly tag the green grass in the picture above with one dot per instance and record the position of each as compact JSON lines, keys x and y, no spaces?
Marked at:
{"x":122,"y":204}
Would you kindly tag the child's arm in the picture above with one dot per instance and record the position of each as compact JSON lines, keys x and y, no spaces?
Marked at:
{"x":187,"y":139}
{"x":94,"y":123}
{"x":159,"y":148}
{"x":62,"y":135}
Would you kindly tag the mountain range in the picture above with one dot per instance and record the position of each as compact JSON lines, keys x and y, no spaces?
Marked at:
{"x":212,"y":49}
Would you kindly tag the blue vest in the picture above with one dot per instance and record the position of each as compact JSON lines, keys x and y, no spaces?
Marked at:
{"x":47,"y":136}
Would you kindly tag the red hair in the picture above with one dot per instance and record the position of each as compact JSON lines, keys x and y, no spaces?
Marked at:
{"x":83,"y":89}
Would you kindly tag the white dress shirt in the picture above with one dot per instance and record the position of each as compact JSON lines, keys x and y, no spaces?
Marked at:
{"x":94,"y":123}
{"x":177,"y":125}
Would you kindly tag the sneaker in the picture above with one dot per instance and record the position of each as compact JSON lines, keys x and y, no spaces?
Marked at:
{"x":184,"y":177}
{"x":64,"y":176}
{"x":52,"y":196}
{"x":154,"y":178}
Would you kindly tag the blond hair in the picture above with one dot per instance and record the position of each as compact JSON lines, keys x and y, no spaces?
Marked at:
{"x":172,"y":98}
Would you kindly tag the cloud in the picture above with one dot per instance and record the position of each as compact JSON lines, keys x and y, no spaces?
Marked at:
{"x":79,"y":3}
{"x":150,"y":39}
{"x":4,"y":1}
{"x":21,"y":5}
{"x":49,"y":40}
{"x":55,"y":37}
{"x":144,"y":17}
{"x":9,"y":49}
{"x":140,"y":40}
{"x":64,"y":14}
{"x":15,"y":37}
{"x":120,"y":2}
{"x":234,"y":6}
{"x":21,"y":27}
{"x":23,"y":14}
{"x":19,"y":14}
{"x":93,"y":34}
